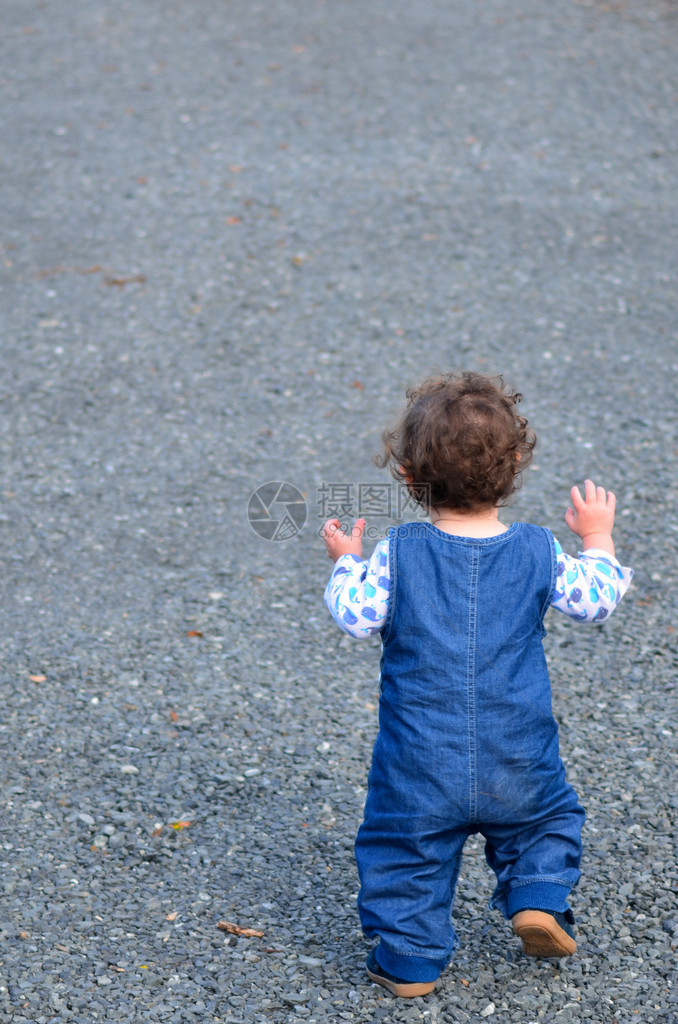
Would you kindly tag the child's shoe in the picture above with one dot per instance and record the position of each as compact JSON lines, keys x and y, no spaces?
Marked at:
{"x":405,"y":989}
{"x":545,"y":933}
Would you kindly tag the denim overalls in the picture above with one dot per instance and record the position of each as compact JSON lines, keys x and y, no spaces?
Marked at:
{"x":467,"y":743}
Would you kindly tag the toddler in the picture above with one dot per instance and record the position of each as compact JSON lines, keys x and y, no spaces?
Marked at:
{"x":467,"y":741}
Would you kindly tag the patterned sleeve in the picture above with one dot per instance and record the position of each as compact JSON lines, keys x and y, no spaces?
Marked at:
{"x":357,"y":593}
{"x":590,"y":587}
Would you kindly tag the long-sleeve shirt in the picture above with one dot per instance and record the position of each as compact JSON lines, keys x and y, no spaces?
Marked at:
{"x":588,"y":588}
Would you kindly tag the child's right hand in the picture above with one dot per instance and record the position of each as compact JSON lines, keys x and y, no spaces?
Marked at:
{"x":592,"y":516}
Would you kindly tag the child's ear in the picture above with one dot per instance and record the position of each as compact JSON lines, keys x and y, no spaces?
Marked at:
{"x":407,"y":477}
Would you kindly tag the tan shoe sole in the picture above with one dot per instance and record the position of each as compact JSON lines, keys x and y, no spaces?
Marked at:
{"x":406,"y":990}
{"x":541,"y":934}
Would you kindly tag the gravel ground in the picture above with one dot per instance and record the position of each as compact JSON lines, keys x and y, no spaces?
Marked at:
{"x":233,"y":233}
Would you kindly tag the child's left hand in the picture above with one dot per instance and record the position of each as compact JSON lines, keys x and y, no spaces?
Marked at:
{"x":592,"y":517}
{"x":339,"y":543}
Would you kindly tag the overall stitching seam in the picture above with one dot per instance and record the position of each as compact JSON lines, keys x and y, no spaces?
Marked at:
{"x":470,"y":686}
{"x":393,"y":567}
{"x":552,"y":582}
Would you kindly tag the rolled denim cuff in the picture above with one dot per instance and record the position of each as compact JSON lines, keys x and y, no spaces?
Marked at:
{"x":410,"y":968}
{"x":550,"y":896}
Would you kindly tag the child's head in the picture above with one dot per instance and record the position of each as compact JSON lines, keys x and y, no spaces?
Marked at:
{"x":460,"y":443}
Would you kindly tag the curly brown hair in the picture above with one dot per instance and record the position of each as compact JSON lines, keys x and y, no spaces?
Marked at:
{"x":460,"y":443}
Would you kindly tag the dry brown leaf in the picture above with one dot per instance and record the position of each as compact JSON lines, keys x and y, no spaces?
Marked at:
{"x":120,"y":282}
{"x":194,"y":632}
{"x":38,"y":679}
{"x":236,"y":929}
{"x":173,"y":916}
